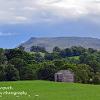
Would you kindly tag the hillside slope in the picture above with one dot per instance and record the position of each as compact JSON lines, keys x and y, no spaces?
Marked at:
{"x":62,"y":42}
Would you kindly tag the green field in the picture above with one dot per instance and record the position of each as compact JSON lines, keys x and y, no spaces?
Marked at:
{"x":42,"y":90}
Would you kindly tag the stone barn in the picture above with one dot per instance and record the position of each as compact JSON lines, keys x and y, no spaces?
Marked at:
{"x":64,"y":76}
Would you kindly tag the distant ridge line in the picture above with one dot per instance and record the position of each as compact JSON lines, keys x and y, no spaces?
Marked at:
{"x":62,"y":42}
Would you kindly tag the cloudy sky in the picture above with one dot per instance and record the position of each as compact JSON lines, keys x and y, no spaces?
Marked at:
{"x":22,"y":19}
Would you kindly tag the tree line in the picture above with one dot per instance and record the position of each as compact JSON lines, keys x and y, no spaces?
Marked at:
{"x":38,"y":64}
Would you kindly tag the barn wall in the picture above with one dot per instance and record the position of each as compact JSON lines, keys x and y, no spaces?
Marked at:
{"x":65,"y":76}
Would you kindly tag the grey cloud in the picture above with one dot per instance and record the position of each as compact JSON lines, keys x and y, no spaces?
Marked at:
{"x":33,"y":11}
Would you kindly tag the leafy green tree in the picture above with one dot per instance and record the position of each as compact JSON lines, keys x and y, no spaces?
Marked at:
{"x":46,"y":72}
{"x":49,"y":56}
{"x":59,"y":64}
{"x":76,"y":51}
{"x":14,"y":53}
{"x":96,"y":78}
{"x":63,"y":54}
{"x":3,"y":59}
{"x":26,"y":73}
{"x":91,"y":50}
{"x":56,"y":49}
{"x":2,"y":73}
{"x":68,"y":52}
{"x":38,"y":57}
{"x":83,"y":73}
{"x":38,"y":49}
{"x":86,"y":58}
{"x":12,"y":74}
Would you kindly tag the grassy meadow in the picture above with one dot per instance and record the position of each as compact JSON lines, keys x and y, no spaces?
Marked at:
{"x":44,"y":90}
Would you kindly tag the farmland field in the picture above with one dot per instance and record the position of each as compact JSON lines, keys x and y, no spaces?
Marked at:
{"x":44,"y":90}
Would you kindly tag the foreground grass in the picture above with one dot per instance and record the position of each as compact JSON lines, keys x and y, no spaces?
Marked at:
{"x":42,"y":90}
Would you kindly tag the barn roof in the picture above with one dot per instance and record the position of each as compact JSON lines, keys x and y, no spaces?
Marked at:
{"x":64,"y":72}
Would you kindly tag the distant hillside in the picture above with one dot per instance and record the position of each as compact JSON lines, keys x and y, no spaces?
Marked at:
{"x":62,"y":42}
